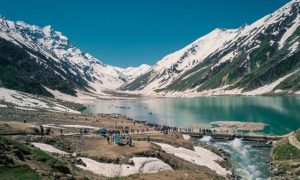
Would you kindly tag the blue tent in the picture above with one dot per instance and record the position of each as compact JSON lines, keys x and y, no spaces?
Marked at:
{"x":102,"y":131}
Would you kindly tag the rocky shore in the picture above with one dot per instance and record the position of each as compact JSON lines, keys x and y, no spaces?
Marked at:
{"x":23,"y":128}
{"x":285,"y":162}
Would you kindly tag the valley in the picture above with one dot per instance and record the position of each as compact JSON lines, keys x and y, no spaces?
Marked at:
{"x":225,"y":106}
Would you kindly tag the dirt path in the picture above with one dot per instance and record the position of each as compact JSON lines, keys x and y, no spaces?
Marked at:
{"x":293,"y":141}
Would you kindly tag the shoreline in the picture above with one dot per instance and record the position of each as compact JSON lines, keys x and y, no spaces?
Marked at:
{"x":139,"y":109}
{"x":112,"y":121}
{"x":255,"y":128}
{"x":28,"y":122}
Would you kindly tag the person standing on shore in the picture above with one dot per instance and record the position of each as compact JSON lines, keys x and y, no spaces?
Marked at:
{"x":42,"y":130}
{"x":113,"y":138}
{"x":107,"y":138}
{"x":130,"y":142}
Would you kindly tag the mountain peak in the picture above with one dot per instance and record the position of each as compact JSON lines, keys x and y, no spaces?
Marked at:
{"x":47,"y":30}
{"x":63,"y":56}
{"x":134,"y":72}
{"x":210,"y":61}
{"x":219,"y":30}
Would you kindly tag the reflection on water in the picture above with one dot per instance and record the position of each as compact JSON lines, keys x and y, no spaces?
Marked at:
{"x":281,"y":113}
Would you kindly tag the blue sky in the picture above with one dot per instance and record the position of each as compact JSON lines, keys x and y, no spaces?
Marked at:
{"x":131,"y":32}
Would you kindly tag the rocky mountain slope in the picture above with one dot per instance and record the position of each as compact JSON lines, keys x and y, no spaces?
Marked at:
{"x":256,"y":59}
{"x":33,"y":57}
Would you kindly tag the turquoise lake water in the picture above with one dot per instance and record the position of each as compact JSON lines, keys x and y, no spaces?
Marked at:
{"x":282,"y":114}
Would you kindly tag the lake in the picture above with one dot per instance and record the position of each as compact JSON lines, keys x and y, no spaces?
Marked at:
{"x":281,"y":113}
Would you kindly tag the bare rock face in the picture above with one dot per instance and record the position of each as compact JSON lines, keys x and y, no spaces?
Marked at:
{"x":62,"y":168}
{"x":19,"y":154}
{"x":6,"y":160}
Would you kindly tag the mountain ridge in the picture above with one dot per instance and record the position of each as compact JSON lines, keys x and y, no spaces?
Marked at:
{"x":232,"y":60}
{"x":52,"y":50}
{"x":261,"y":56}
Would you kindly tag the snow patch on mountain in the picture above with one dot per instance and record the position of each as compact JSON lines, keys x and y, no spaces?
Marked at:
{"x":269,"y":87}
{"x":27,"y":101}
{"x":293,"y":48}
{"x":289,"y":32}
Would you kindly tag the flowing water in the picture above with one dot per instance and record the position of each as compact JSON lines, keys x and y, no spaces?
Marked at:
{"x":249,"y":162}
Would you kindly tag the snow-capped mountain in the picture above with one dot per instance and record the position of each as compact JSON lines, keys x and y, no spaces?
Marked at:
{"x":54,"y":52}
{"x":244,"y":59}
{"x":134,"y":72}
{"x":170,"y":67}
{"x":254,"y":59}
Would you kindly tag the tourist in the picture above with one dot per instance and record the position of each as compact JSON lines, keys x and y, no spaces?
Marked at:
{"x":113,"y":138}
{"x":48,"y":131}
{"x":42,"y":130}
{"x":130,"y":142}
{"x":108,"y":139}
